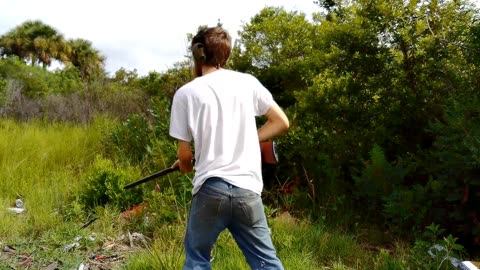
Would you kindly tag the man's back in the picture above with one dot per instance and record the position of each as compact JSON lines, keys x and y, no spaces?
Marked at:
{"x":217,"y":111}
{"x":220,"y":110}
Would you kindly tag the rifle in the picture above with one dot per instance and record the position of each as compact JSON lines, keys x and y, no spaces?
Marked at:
{"x":150,"y":177}
{"x":268,"y":151}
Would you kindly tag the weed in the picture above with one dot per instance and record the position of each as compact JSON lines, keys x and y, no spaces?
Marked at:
{"x":104,"y":184}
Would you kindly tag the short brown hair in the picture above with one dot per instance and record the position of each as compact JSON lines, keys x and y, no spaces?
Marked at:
{"x":217,"y":45}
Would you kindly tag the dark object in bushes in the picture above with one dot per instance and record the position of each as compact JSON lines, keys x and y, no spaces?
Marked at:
{"x":151,"y":177}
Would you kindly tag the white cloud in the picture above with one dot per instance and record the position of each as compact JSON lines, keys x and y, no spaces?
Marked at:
{"x":145,"y":35}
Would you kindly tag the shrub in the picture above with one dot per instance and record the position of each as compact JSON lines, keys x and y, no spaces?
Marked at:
{"x":378,"y":178}
{"x":164,"y":151}
{"x":382,"y":187}
{"x":131,"y":141}
{"x":104,"y":185}
{"x":454,"y":167}
{"x":408,"y":207}
{"x":37,"y":81}
{"x":433,"y":250}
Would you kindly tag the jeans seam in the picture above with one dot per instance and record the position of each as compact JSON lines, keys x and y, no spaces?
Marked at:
{"x":209,"y":195}
{"x":223,"y":192}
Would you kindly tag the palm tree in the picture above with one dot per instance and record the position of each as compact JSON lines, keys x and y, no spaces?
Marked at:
{"x":82,"y":55}
{"x":35,"y":42}
{"x":13,"y":44}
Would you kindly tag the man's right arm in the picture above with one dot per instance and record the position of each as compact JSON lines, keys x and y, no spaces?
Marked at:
{"x":277,"y":123}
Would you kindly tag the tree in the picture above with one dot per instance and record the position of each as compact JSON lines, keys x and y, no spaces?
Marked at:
{"x":35,"y":42}
{"x":396,"y":74}
{"x":277,"y":47}
{"x":387,"y":69}
{"x":82,"y":55}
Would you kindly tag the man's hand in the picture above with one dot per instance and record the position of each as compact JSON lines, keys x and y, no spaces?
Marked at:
{"x":185,"y":156}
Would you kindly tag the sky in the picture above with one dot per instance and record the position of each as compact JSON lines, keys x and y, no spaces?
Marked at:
{"x":146,"y":35}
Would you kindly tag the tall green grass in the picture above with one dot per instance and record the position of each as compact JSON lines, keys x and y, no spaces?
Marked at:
{"x":42,"y":163}
{"x":300,"y":245}
{"x":46,"y":165}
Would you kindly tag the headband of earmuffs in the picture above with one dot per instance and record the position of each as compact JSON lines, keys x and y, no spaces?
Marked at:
{"x":199,"y":52}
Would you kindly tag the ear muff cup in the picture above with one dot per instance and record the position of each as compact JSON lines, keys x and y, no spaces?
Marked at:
{"x":199,"y":52}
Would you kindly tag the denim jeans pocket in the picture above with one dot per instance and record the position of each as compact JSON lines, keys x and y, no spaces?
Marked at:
{"x":252,"y":210}
{"x":205,"y":206}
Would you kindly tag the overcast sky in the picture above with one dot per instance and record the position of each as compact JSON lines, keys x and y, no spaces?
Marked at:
{"x":147,"y":35}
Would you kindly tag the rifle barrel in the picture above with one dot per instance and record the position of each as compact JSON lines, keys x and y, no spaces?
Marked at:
{"x":150,"y":177}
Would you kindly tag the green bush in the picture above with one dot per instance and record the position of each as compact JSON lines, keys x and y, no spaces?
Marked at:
{"x":378,"y":178}
{"x":453,"y":164}
{"x":104,"y":185}
{"x":383,"y":188}
{"x":143,"y":141}
{"x":131,"y":141}
{"x":66,"y":81}
{"x":432,"y":250}
{"x":439,"y":184}
{"x":36,"y":81}
{"x":164,"y":151}
{"x":408,"y":207}
{"x":385,"y":261}
{"x":166,"y":204}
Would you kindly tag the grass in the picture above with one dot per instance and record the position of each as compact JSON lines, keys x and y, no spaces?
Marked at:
{"x":43,"y":165}
{"x":300,"y":245}
{"x":46,"y":165}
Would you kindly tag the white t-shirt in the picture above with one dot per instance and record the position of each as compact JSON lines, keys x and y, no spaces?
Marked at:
{"x":217,"y":111}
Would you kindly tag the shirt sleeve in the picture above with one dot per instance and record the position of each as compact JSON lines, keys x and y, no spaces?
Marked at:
{"x":179,"y":118}
{"x":263,"y":99}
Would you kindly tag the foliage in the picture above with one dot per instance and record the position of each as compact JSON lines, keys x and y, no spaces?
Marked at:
{"x":104,"y":185}
{"x":300,"y":245}
{"x":88,"y":60}
{"x":125,"y":77}
{"x":278,"y":47}
{"x":156,"y":84}
{"x":383,"y":102}
{"x":433,"y":250}
{"x":33,"y":80}
{"x":381,"y":186}
{"x":62,"y":95}
{"x":3,"y":93}
{"x":165,"y":149}
{"x":385,"y":261}
{"x":35,"y":42}
{"x":43,"y":163}
{"x":379,"y":178}
{"x":165,"y":253}
{"x":165,"y":205}
{"x":169,"y":81}
{"x":132,"y":140}
{"x":36,"y":81}
{"x":454,"y":167}
{"x":386,"y":70}
{"x":144,"y":139}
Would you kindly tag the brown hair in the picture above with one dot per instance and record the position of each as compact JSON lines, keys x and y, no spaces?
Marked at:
{"x":217,"y":45}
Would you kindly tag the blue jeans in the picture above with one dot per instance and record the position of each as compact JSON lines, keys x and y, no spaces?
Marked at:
{"x":219,"y":205}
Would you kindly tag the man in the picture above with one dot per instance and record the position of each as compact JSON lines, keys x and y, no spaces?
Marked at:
{"x":217,"y":112}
